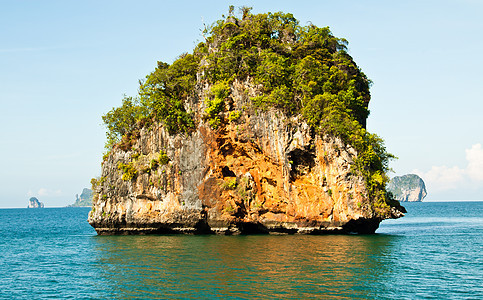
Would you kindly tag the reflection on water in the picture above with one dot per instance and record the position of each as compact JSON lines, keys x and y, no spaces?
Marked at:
{"x":434,"y":252}
{"x":341,"y":267}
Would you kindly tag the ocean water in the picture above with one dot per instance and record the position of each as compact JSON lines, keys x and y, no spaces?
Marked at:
{"x":435,"y":252}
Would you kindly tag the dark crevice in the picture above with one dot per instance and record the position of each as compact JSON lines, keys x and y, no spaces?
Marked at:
{"x":252,"y":228}
{"x":361,"y":226}
{"x":270,"y":181}
{"x":301,"y":162}
{"x":227,"y":149}
{"x":226,"y":172}
{"x":202,"y":227}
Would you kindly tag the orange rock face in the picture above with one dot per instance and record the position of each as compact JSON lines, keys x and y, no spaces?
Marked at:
{"x":261,"y":173}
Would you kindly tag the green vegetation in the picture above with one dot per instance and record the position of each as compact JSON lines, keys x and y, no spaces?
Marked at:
{"x":128,"y":170}
{"x":164,"y":91}
{"x":122,"y":121}
{"x":234,"y":116}
{"x":163,"y":158}
{"x":242,"y":189}
{"x":215,"y":103}
{"x":229,"y":184}
{"x":94,"y":183}
{"x":299,"y":70}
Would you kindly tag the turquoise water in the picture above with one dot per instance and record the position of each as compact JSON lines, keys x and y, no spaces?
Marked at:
{"x":435,"y":252}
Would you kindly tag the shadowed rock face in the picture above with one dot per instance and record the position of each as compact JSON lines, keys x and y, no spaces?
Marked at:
{"x":408,"y":188}
{"x":263,"y":173}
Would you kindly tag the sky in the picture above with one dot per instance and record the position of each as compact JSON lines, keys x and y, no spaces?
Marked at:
{"x":63,"y":64}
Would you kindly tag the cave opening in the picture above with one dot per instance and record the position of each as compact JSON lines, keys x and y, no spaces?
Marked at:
{"x":301,"y":162}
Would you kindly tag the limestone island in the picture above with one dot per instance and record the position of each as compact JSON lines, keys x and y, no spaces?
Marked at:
{"x":407,"y":188}
{"x":261,"y":129}
{"x":35,"y":203}
{"x":84,"y":200}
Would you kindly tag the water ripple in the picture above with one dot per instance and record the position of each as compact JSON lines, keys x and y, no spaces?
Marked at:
{"x":434,"y":252}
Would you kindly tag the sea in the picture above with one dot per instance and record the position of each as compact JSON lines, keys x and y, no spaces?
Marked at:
{"x":434,"y":252}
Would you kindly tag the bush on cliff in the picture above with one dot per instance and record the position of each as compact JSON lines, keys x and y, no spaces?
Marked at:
{"x":120,"y":121}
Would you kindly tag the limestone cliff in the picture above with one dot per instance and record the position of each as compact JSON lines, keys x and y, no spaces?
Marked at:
{"x":260,"y":130}
{"x":263,"y":172}
{"x":408,"y":188}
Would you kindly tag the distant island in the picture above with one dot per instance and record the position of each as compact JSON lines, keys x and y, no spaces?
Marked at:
{"x":84,"y":200}
{"x":407,"y":188}
{"x":35,"y":203}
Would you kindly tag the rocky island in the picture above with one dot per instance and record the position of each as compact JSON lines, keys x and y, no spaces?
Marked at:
{"x":84,"y":200}
{"x":407,"y":188}
{"x":35,"y":203}
{"x":261,"y":129}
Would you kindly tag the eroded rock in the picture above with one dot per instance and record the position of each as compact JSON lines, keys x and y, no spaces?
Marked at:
{"x":263,"y":173}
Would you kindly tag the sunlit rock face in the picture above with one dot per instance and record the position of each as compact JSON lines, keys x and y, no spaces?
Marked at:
{"x":262,"y":172}
{"x":408,"y":188}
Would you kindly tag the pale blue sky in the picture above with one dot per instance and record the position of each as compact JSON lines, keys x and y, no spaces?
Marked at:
{"x":63,"y":64}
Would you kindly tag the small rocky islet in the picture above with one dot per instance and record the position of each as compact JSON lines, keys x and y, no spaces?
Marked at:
{"x":35,"y":203}
{"x":407,"y":188}
{"x":261,"y":129}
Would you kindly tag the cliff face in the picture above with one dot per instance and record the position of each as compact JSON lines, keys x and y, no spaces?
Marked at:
{"x":259,"y":172}
{"x":408,"y":188}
